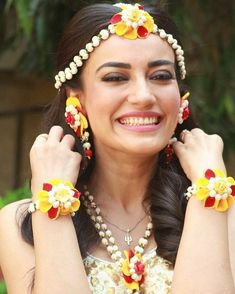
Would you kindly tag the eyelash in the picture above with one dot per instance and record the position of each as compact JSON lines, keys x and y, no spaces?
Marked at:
{"x":163,"y":76}
{"x":114,"y":79}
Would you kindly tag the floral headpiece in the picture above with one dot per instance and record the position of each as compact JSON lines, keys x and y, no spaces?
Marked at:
{"x":131,"y":22}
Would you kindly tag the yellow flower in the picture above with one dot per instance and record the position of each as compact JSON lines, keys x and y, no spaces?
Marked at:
{"x":132,"y":22}
{"x":216,"y":190}
{"x":58,"y":198}
{"x":74,"y":107}
{"x":134,"y":261}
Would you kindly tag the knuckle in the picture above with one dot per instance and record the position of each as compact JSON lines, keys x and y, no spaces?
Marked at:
{"x":217,"y":138}
{"x":197,"y":131}
{"x":69,"y":137}
{"x":56,"y":129}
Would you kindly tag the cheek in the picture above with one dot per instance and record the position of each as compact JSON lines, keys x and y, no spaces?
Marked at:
{"x":170,"y":105}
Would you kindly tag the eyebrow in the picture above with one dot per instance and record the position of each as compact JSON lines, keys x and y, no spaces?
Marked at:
{"x":160,"y":62}
{"x":114,"y":64}
{"x":128,"y":66}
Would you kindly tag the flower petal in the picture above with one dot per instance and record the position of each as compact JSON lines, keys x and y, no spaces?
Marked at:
{"x":53,"y":213}
{"x":84,"y":122}
{"x":209,"y":174}
{"x":44,"y":206}
{"x":210,"y":201}
{"x":219,"y":173}
{"x":133,"y":286}
{"x":149,"y":24}
{"x":55,"y":182}
{"x":125,"y":267}
{"x":142,"y":32}
{"x":47,"y":187}
{"x":131,"y":34}
{"x":68,"y":183}
{"x":223,"y":205}
{"x":230,"y":200}
{"x":202,"y":182}
{"x":42,"y":196}
{"x":233,"y":190}
{"x":116,"y":18}
{"x":64,"y":211}
{"x":75,"y":205}
{"x":77,"y":194}
{"x":231,"y":180}
{"x":73,"y":101}
{"x":121,"y":28}
{"x":128,"y":279}
{"x":202,"y":193}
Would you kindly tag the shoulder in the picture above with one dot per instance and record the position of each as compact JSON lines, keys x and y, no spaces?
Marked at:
{"x":10,"y":238}
{"x":11,"y":209}
{"x":11,"y":214}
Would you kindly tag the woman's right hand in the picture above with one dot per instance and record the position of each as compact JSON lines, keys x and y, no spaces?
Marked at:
{"x":51,"y":156}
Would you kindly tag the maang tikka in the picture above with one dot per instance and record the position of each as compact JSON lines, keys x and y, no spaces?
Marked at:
{"x":76,"y":119}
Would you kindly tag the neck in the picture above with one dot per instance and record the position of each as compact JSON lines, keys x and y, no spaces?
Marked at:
{"x":121,"y":181}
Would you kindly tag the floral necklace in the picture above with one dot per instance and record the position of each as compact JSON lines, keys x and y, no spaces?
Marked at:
{"x":132,"y":267}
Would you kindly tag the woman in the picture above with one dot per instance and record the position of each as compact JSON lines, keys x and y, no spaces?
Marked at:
{"x":126,"y":82}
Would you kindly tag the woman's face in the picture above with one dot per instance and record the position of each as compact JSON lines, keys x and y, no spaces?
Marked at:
{"x":131,"y":95}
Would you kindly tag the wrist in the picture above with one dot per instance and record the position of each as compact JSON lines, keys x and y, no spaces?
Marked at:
{"x":56,"y":198}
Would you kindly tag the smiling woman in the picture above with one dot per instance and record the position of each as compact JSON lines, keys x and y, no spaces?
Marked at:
{"x":112,"y":133}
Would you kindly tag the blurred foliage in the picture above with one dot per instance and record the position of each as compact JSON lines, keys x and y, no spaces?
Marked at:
{"x":207,"y":31}
{"x":3,"y":289}
{"x":15,"y":195}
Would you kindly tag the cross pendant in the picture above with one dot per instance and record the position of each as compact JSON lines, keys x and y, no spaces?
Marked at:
{"x":128,"y":239}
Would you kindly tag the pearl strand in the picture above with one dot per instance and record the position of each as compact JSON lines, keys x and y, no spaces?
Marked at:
{"x":105,"y":234}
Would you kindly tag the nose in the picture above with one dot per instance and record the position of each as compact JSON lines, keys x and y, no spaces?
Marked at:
{"x":140,"y":94}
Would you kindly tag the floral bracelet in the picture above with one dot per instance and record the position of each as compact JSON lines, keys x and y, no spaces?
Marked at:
{"x":57,"y":198}
{"x":215,"y":189}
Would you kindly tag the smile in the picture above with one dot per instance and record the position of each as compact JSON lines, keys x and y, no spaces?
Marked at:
{"x":139,"y":121}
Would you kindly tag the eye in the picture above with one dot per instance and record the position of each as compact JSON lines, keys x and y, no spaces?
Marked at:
{"x":114,"y":78}
{"x":162,"y":76}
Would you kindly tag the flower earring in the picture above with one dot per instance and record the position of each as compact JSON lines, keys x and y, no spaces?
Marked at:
{"x":76,"y":119}
{"x":169,"y":150}
{"x":184,"y":109}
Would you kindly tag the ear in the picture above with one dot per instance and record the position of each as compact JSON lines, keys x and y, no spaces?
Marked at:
{"x":72,"y":92}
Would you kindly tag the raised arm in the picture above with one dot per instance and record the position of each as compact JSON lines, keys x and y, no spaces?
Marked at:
{"x":56,"y":255}
{"x":202,"y":264}
{"x":231,"y":235}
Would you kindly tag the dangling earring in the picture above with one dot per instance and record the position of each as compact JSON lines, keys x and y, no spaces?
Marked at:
{"x":184,"y":109}
{"x":76,"y":119}
{"x":169,"y":150}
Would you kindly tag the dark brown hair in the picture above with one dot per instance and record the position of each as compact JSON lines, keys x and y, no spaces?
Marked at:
{"x":166,"y":188}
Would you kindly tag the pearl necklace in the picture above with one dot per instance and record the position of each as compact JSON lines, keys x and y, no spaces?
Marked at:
{"x":132,"y":268}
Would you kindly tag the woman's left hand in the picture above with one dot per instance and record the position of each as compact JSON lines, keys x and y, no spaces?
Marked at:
{"x":198,"y":151}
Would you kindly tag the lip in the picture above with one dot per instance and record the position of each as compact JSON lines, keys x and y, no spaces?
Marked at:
{"x":142,"y":127}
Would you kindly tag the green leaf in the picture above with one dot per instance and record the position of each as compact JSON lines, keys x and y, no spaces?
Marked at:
{"x":3,"y":289}
{"x":230,"y":107}
{"x":12,"y":196}
{"x":25,"y":17}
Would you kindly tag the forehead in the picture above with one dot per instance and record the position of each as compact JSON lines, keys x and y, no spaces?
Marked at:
{"x":130,"y":51}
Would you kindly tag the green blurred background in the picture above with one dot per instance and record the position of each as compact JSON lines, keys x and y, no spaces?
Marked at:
{"x":29,"y":33}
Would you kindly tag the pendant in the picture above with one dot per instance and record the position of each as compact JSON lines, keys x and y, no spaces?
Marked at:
{"x":128,"y":239}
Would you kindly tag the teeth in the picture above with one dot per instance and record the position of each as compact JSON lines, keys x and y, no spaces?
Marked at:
{"x":138,"y":121}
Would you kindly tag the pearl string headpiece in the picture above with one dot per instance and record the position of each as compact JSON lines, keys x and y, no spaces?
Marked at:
{"x":131,"y":23}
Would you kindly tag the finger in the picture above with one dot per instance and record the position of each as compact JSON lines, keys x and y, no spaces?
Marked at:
{"x":184,"y":134}
{"x":41,"y":139}
{"x":197,"y":132}
{"x":69,"y":141}
{"x":55,"y":135}
{"x":178,"y":147}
